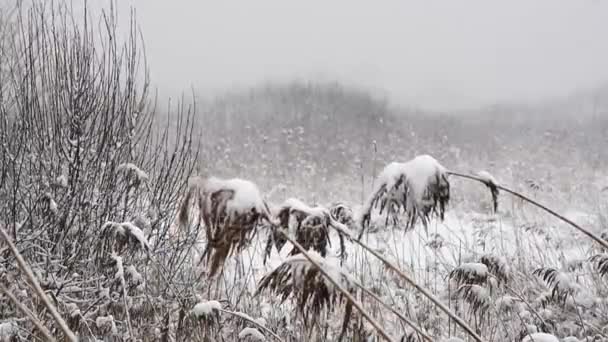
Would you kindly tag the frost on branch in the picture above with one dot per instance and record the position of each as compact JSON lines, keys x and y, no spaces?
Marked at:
{"x":231,"y":210}
{"x":312,"y":292}
{"x":419,"y":188}
{"x":252,"y":334}
{"x":310,"y":225}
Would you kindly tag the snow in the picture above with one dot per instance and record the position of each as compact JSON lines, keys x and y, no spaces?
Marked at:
{"x":296,"y":204}
{"x":204,"y":309}
{"x":102,"y":322}
{"x":486,"y":177}
{"x":62,"y":181}
{"x":130,"y":167}
{"x":120,"y":272}
{"x":137,"y":233}
{"x":53,"y":206}
{"x":247,"y":195}
{"x":136,"y":277}
{"x":252,"y":333}
{"x":419,"y":170}
{"x":540,"y":337}
{"x":8,"y":329}
{"x":476,"y":268}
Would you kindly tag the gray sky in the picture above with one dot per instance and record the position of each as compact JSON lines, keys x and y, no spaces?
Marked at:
{"x":428,"y":53}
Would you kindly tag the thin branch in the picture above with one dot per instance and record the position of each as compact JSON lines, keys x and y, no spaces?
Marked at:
{"x":30,"y":275}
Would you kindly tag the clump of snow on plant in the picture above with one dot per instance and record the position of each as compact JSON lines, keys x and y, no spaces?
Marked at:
{"x":106,"y":323}
{"x":300,"y":266}
{"x":487,"y":177}
{"x":130,"y":167}
{"x":128,"y":229}
{"x":540,"y":337}
{"x":204,"y":309}
{"x":247,"y":195}
{"x":137,"y":233}
{"x":252,"y":333}
{"x":475,"y":268}
{"x":8,"y":330}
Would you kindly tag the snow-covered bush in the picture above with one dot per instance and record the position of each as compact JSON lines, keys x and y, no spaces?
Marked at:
{"x":419,"y":188}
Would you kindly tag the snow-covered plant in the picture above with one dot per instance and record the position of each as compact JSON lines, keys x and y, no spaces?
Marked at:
{"x":540,"y":337}
{"x":251,"y":334}
{"x":310,"y":224}
{"x":231,"y":211}
{"x":299,"y":279}
{"x":559,"y":283}
{"x":343,"y":214}
{"x":476,"y":296}
{"x":419,"y":188}
{"x":8,"y":330}
{"x":497,"y":266}
{"x":118,"y":236}
{"x":106,"y":325}
{"x":600,"y":261}
{"x":470,"y":273}
{"x":207,"y":312}
{"x":206,"y":308}
{"x":137,"y":175}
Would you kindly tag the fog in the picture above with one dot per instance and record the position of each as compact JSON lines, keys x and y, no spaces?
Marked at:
{"x":437,"y":55}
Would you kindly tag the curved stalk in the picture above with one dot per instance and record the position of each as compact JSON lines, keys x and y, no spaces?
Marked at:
{"x":341,"y":228}
{"x":590,"y":234}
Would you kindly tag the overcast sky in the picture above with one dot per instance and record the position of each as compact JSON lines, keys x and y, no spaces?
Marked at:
{"x":432,"y":54}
